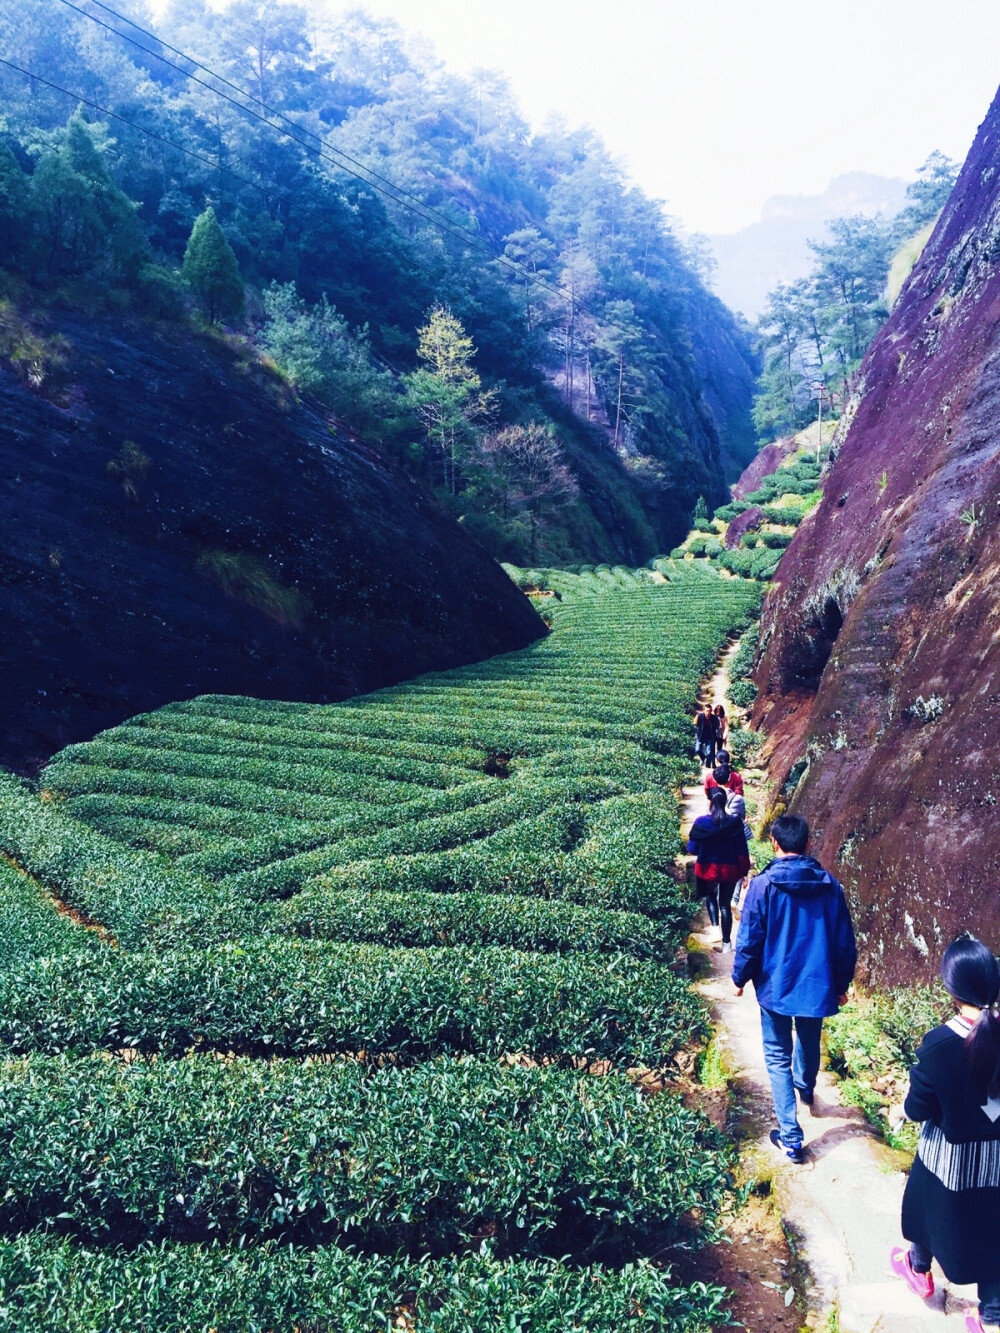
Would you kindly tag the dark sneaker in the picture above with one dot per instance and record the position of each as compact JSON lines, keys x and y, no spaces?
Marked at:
{"x":793,"y":1154}
{"x":806,"y":1098}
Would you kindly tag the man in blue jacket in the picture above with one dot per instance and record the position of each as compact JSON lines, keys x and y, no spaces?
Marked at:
{"x":796,"y":944}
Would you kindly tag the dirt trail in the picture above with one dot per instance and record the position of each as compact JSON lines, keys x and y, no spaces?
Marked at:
{"x":841,"y":1209}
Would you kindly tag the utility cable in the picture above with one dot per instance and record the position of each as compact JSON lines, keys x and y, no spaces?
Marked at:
{"x":398,"y":195}
{"x":243,"y":92}
{"x":141,"y":129}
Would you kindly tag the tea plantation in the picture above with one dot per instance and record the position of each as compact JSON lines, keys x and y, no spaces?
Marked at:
{"x":321,"y":1018}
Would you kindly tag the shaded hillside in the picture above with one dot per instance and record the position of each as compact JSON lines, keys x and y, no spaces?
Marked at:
{"x":880,"y":683}
{"x":363,"y":191}
{"x":176,"y":523}
{"x":728,"y":368}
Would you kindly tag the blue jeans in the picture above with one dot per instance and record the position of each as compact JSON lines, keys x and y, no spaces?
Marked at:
{"x":776,"y":1030}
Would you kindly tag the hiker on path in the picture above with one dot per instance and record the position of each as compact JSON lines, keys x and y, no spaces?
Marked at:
{"x":796,"y":944}
{"x":721,"y":727}
{"x":951,"y":1205}
{"x":724,"y":776}
{"x":736,"y":805}
{"x":721,"y":860}
{"x":706,"y":746}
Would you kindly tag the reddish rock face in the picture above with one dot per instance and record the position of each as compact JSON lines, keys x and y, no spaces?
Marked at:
{"x":881,"y":665}
{"x":768,"y":460}
{"x":748,"y":521}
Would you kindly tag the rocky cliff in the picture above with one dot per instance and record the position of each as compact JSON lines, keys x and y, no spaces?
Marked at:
{"x":880,"y":680}
{"x":173,"y":522}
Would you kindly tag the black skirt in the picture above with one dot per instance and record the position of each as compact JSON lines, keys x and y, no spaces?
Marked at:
{"x":960,"y":1227}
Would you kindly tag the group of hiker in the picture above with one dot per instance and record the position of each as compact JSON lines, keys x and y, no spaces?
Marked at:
{"x":796,"y":945}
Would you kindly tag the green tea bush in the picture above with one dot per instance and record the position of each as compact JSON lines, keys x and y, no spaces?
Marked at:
{"x":425,"y":919}
{"x":47,"y":1283}
{"x":733,"y":510}
{"x":289,"y":996}
{"x":737,"y":561}
{"x":512,"y":819}
{"x":745,"y":657}
{"x":743,"y":693}
{"x":375,"y":947}
{"x":32,"y":928}
{"x":316,"y":779}
{"x":744,"y":746}
{"x":129,"y":891}
{"x":784,"y":515}
{"x":201,"y":1148}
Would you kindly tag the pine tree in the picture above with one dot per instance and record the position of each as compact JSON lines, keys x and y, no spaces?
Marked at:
{"x":446,"y":391}
{"x":13,"y":207}
{"x":211,"y":270}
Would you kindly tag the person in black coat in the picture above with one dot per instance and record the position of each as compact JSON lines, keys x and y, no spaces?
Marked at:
{"x":951,"y":1205}
{"x":719,"y":844}
{"x":707,"y":736}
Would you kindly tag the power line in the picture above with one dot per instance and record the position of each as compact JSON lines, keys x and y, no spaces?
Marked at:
{"x":396,"y":193}
{"x":425,"y":212}
{"x":399,"y":189}
{"x":141,"y":129}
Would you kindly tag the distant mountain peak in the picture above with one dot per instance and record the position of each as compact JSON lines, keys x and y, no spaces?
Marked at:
{"x":852,"y":192}
{"x":776,"y":249}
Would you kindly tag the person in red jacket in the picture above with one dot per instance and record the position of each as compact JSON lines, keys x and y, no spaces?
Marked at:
{"x":719,"y":845}
{"x":724,"y":776}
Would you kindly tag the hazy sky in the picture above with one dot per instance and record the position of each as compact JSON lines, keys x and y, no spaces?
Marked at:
{"x":718,"y":104}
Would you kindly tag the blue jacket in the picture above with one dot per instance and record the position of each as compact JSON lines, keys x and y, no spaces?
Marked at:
{"x":795,"y":942}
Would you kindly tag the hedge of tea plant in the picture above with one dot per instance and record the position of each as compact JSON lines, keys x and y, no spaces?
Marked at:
{"x":367,"y":981}
{"x":280,"y":995}
{"x":426,"y":1158}
{"x":51,"y":1284}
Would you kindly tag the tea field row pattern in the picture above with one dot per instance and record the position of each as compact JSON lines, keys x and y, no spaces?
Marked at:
{"x":287,"y":988}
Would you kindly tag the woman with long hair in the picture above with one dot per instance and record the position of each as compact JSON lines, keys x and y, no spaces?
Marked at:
{"x":721,"y":727}
{"x":951,"y":1205}
{"x":721,"y":860}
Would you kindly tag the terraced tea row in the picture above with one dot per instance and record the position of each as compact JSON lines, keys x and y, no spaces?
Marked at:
{"x":426,"y":1158}
{"x":48,"y":1284}
{"x":368,"y":978}
{"x":602,"y":701}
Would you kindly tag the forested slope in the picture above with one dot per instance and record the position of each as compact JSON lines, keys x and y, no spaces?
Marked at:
{"x":175,"y":521}
{"x":363,"y":189}
{"x":881,"y":676}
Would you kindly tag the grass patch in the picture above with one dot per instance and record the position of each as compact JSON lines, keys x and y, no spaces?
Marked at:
{"x":245,"y":578}
{"x":872,"y":1045}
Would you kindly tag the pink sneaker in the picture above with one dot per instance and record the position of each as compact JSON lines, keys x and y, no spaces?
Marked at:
{"x":921,"y":1284}
{"x":973,"y":1324}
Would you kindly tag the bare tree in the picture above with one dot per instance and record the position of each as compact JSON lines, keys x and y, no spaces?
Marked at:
{"x":525,"y":467}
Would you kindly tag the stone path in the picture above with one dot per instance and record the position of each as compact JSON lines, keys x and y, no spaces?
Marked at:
{"x":841,"y":1208}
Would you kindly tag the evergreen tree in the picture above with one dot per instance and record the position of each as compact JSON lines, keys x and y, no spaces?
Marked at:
{"x":316,"y":349}
{"x":83,"y":222}
{"x":13,"y":208}
{"x":928,"y":194}
{"x":211,"y":270}
{"x":446,"y":390}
